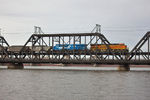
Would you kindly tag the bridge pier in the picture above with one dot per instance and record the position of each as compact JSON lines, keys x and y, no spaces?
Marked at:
{"x":124,"y":67}
{"x":15,"y":66}
{"x":95,"y":65}
{"x":63,"y":65}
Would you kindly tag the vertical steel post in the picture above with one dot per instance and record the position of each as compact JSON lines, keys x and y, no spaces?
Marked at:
{"x":52,"y":47}
{"x":63,"y":48}
{"x":148,"y":48}
{"x":96,"y":48}
{"x":48,"y":52}
{"x":59,"y":50}
{"x":79,"y":49}
{"x":85,"y":49}
{"x":90,"y":44}
{"x":74,"y":47}
{"x":68,"y":50}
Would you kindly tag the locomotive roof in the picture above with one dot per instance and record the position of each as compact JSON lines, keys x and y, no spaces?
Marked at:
{"x":110,"y":44}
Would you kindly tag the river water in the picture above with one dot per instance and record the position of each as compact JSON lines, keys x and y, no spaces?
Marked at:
{"x":38,"y":84}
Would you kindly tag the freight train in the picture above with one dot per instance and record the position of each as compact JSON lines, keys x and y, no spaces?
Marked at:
{"x":93,"y":47}
{"x":69,"y":47}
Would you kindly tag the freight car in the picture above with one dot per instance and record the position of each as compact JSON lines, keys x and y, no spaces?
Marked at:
{"x":69,"y":47}
{"x":17,"y":48}
{"x":42,"y":49}
{"x":28,"y":49}
{"x":114,"y":47}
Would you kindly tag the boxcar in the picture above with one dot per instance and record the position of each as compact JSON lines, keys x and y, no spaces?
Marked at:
{"x":17,"y":48}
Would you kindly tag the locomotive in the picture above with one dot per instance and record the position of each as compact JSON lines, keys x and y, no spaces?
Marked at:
{"x":114,"y":47}
{"x":93,"y":47}
{"x":70,"y":47}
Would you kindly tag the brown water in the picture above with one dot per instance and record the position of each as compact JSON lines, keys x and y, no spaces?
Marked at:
{"x":73,"y":85}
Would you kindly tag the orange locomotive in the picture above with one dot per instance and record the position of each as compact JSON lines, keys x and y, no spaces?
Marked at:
{"x":114,"y":47}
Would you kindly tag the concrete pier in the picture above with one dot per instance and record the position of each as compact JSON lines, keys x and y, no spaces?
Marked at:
{"x":15,"y":66}
{"x":95,"y":65}
{"x":125,"y":67}
{"x":63,"y":65}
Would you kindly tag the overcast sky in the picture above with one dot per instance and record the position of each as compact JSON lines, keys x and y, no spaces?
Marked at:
{"x":122,"y":20}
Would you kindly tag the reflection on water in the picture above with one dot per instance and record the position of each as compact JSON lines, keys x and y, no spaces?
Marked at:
{"x":73,"y":85}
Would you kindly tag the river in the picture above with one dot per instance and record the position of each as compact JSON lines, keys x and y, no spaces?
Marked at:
{"x":42,"y":84}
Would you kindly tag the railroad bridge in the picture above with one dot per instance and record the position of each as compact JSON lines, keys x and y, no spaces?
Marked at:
{"x":39,"y":48}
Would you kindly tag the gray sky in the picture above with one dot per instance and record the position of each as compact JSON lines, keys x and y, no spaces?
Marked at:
{"x":122,"y":20}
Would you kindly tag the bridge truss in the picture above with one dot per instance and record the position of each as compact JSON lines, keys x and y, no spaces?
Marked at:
{"x":141,"y":52}
{"x":39,"y":49}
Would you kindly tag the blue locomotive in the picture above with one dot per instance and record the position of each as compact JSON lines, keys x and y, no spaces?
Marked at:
{"x":60,"y":47}
{"x":70,"y":47}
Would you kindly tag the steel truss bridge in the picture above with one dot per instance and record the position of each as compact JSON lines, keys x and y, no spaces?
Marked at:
{"x":139,"y":55}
